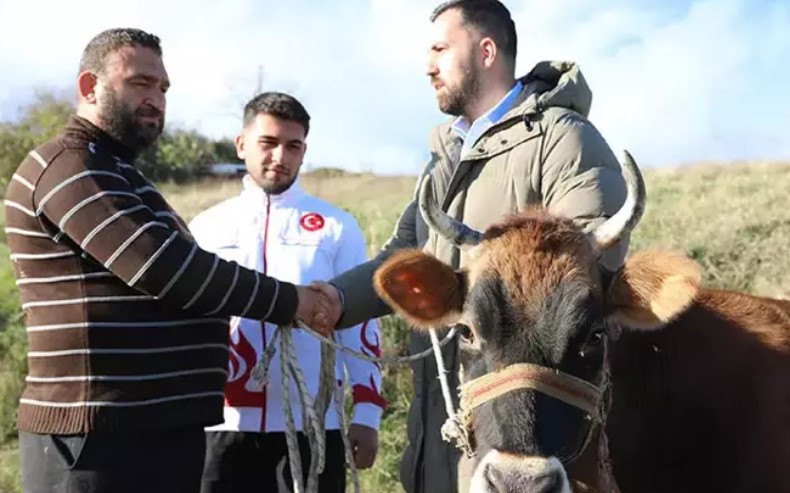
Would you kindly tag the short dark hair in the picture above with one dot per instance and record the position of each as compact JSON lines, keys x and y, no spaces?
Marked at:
{"x":278,"y":105}
{"x":94,"y":57}
{"x":491,"y":18}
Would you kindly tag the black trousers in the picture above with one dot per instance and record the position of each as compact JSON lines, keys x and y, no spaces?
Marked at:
{"x":246,"y":462}
{"x":150,"y":462}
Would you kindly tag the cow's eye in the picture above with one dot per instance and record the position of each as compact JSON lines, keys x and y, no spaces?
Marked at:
{"x":596,"y":337}
{"x":465,"y":333}
{"x":466,"y":338}
{"x":594,"y":341}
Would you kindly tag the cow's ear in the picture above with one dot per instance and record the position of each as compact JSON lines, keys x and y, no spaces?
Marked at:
{"x":651,"y":289}
{"x":420,"y":288}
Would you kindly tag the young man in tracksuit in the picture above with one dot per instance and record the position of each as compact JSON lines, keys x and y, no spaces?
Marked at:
{"x":273,"y":226}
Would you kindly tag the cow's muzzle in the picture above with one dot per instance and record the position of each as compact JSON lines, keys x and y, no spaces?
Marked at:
{"x":501,"y":472}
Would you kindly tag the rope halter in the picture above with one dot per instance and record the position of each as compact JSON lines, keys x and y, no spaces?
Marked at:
{"x":524,"y":376}
{"x":565,"y":387}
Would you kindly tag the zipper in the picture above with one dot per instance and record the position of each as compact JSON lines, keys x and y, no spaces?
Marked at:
{"x":263,"y":324}
{"x":266,"y":232}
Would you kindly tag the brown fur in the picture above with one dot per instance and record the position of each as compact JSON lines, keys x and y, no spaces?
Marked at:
{"x":765,"y":319}
{"x":701,"y":405}
{"x":532,"y":253}
{"x":652,"y":288}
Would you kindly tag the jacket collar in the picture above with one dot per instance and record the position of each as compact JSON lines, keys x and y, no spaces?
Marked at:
{"x":469,"y":131}
{"x":548,"y":84}
{"x":256,"y":197}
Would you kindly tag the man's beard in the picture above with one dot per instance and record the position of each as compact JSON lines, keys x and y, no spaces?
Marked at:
{"x":456,"y":100}
{"x":121,"y":122}
{"x":276,"y":188}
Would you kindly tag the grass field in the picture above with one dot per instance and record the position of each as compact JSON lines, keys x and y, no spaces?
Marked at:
{"x":733,"y":219}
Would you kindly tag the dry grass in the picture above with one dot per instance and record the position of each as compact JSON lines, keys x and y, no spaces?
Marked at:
{"x":734,"y":220}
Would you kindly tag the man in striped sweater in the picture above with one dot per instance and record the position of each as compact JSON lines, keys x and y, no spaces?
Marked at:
{"x":126,"y":316}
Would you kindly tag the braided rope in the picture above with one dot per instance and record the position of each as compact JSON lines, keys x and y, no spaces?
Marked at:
{"x":340,"y":408}
{"x":400,"y":360}
{"x":312,"y":426}
{"x":314,"y":410}
{"x":290,"y":427}
{"x":453,"y":429}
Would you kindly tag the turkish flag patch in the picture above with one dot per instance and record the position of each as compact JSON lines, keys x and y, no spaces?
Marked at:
{"x":312,"y":221}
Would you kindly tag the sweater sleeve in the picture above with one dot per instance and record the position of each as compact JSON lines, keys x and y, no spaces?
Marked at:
{"x":93,"y":205}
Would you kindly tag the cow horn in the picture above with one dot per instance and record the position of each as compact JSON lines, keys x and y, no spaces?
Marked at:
{"x":620,"y":224}
{"x":451,"y":229}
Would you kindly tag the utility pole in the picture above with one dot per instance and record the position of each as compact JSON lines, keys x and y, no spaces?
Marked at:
{"x":259,"y":85}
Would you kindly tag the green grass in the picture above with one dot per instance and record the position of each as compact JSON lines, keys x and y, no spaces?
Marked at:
{"x":13,"y":361}
{"x":10,"y":482}
{"x":734,"y":220}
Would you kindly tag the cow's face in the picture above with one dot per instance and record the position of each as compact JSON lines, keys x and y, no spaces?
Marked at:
{"x":531,"y":298}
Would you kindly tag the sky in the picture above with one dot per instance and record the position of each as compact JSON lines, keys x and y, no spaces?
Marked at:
{"x":673,"y":81}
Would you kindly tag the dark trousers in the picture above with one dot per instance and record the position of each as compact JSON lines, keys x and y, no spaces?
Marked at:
{"x":246,"y":462}
{"x":150,"y":462}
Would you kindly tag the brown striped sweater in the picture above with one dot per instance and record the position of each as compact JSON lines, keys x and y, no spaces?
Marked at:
{"x":127,"y":318}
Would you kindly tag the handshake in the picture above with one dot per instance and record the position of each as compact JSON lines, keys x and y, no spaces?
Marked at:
{"x":319,"y":307}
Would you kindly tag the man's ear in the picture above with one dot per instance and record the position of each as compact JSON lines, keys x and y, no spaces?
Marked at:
{"x":86,"y":85}
{"x":239,"y":141}
{"x":652,"y":289}
{"x":420,"y":288}
{"x":489,"y":51}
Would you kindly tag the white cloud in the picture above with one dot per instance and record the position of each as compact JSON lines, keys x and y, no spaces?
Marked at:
{"x":698,"y":80}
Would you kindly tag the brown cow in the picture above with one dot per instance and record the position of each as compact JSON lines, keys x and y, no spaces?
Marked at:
{"x":698,"y":379}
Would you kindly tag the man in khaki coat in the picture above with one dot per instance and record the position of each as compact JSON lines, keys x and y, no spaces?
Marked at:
{"x":511,"y":143}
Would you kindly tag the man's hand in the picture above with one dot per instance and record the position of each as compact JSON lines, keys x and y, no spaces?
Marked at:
{"x":333,"y":296}
{"x":364,"y":445}
{"x":315,"y":309}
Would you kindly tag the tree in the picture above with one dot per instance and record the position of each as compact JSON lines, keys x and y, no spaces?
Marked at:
{"x":225,"y":151}
{"x":178,"y":154}
{"x":41,"y":119}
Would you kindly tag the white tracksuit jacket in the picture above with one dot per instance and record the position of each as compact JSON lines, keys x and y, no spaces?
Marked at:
{"x":296,"y":238}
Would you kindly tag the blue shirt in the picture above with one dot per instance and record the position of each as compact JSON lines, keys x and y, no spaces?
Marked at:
{"x":470,"y":133}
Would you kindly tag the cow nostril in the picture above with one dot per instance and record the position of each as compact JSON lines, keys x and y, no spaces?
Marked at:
{"x":549,"y":483}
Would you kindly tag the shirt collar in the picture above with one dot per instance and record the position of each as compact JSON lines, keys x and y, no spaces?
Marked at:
{"x":463,"y":128}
